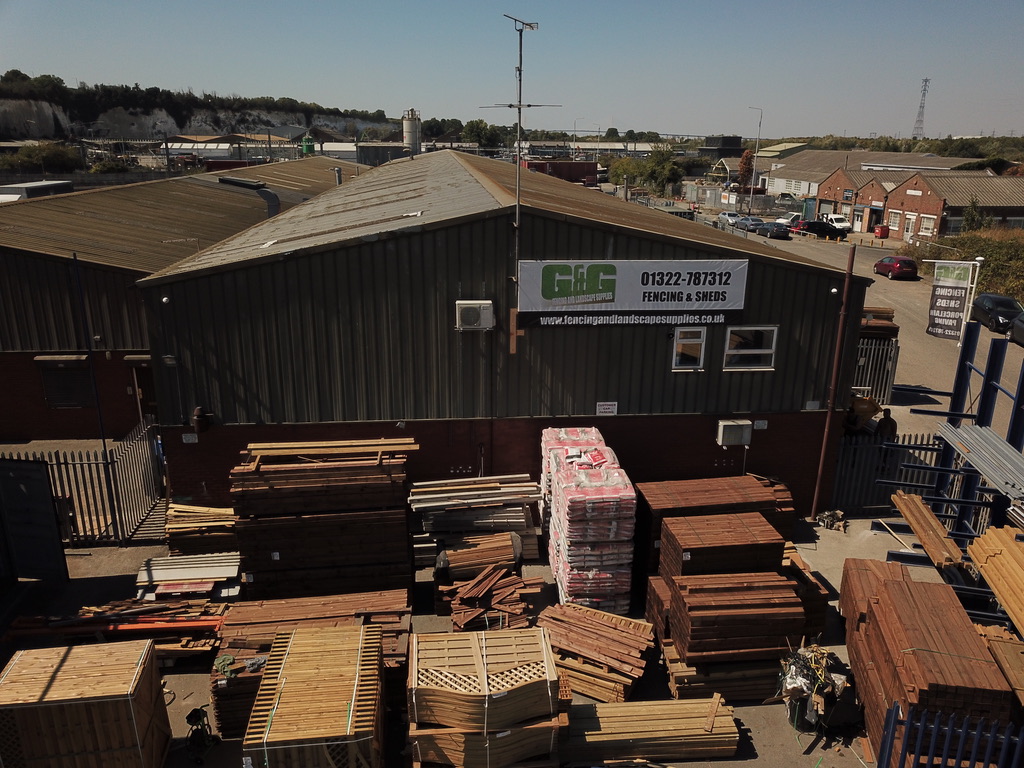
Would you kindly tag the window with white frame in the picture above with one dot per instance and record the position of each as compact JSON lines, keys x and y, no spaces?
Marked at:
{"x":846,"y":210}
{"x":750,"y":347}
{"x":927,"y":226}
{"x":688,"y":349}
{"x":894,"y":219}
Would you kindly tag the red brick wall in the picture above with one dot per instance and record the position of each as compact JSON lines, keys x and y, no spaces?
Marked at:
{"x":927,"y":203}
{"x":648,"y":447}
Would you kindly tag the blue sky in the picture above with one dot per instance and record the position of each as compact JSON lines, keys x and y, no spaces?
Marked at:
{"x":676,"y":67}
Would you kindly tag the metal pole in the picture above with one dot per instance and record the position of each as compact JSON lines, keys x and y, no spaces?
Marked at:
{"x":753,"y":167}
{"x":837,"y":360}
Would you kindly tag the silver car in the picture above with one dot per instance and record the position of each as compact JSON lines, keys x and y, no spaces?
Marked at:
{"x":728,"y":218}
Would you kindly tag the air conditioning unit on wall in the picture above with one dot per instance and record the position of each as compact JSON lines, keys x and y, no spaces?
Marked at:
{"x":474,"y":315}
{"x":734,"y":432}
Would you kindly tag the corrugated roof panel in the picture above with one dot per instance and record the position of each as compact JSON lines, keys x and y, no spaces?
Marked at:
{"x":990,"y":191}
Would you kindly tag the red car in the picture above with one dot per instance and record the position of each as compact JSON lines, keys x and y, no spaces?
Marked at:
{"x":896,"y":266}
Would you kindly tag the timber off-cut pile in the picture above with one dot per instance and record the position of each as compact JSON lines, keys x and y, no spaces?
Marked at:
{"x":191,"y":530}
{"x":590,"y":546}
{"x":582,"y":440}
{"x":438,"y":745}
{"x":999,"y":556}
{"x":600,"y":654}
{"x":940,"y":548}
{"x":464,"y":558}
{"x":250,"y":628}
{"x":735,"y":617}
{"x":319,"y":704}
{"x":497,"y":598}
{"x":709,"y":496}
{"x":85,"y":705}
{"x":482,"y":681}
{"x":917,"y":647}
{"x":726,"y":543}
{"x":679,"y":730}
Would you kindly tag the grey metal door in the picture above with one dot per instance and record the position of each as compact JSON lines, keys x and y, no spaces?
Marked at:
{"x":28,"y":521}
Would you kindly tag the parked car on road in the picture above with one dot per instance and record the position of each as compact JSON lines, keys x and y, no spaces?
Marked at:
{"x":896,"y":266}
{"x":728,"y":218}
{"x":773,"y":229}
{"x":1016,"y":332}
{"x":820,"y":228}
{"x":748,"y":223}
{"x":996,"y":311}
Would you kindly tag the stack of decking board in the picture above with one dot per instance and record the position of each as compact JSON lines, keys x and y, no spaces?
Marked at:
{"x":675,"y":731}
{"x":85,"y":705}
{"x":601,"y":654}
{"x":590,"y":544}
{"x":320,"y":701}
{"x":250,"y":628}
{"x":709,"y":496}
{"x":725,"y":543}
{"x":941,"y":549}
{"x":999,"y":556}
{"x":915,"y":645}
{"x":483,"y":698}
{"x":191,"y":530}
{"x":322,"y":518}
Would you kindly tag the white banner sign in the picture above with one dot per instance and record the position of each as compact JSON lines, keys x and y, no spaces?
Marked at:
{"x":948,"y":306}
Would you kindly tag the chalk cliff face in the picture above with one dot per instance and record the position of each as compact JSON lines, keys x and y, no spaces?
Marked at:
{"x":21,"y":119}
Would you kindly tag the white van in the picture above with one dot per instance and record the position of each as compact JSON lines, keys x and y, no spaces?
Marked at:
{"x":789,"y":219}
{"x":838,"y":221}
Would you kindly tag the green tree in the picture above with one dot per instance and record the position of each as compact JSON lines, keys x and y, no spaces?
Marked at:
{"x":43,"y":158}
{"x":974,"y":217}
{"x":612,"y":134}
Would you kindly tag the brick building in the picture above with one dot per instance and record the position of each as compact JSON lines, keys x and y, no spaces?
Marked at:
{"x":928,"y":206}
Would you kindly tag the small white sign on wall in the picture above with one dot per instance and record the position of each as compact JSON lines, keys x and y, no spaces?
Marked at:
{"x":607,"y":409}
{"x":189,"y":437}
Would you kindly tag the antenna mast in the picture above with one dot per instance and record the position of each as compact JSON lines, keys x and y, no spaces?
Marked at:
{"x":919,"y":123}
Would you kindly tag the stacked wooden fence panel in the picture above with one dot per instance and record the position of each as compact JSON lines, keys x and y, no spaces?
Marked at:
{"x":999,"y":556}
{"x":86,"y":705}
{"x":320,"y":701}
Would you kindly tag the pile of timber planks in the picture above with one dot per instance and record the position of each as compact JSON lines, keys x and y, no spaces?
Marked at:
{"x":86,"y":705}
{"x":465,"y":558}
{"x":999,"y":556}
{"x":495,"y":599}
{"x":483,"y":698}
{"x":708,"y":496}
{"x":250,"y":628}
{"x":322,"y":518}
{"x":676,"y":731}
{"x":940,"y":548}
{"x":213,"y":576}
{"x":601,"y":654}
{"x":730,"y":542}
{"x":191,"y":530}
{"x":916,"y":646}
{"x":320,"y":701}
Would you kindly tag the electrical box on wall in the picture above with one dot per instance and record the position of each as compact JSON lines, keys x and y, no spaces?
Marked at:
{"x":734,"y":432}
{"x":474,"y":315}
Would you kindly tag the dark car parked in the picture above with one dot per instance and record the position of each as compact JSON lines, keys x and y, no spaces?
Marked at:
{"x":821,"y":229}
{"x":896,"y":266}
{"x":1016,"y":332}
{"x":773,"y":229}
{"x":995,"y":311}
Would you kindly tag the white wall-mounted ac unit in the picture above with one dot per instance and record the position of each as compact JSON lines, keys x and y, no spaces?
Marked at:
{"x":474,"y":315}
{"x":734,"y":432}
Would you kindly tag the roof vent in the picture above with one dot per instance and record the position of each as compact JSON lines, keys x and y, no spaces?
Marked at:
{"x":235,"y":181}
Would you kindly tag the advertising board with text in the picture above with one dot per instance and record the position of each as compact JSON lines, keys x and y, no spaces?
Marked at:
{"x":950,"y":287}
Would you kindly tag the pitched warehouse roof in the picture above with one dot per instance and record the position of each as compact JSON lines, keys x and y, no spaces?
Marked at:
{"x":990,"y":191}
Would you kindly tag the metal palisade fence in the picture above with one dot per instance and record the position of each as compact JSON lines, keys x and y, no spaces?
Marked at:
{"x":864,"y":460}
{"x":103,"y":496}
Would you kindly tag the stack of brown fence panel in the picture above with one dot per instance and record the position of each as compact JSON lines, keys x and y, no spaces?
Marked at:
{"x":709,"y":496}
{"x":601,"y":654}
{"x":192,"y":530}
{"x":934,"y":538}
{"x":250,"y":629}
{"x":85,"y":705}
{"x":725,"y":543}
{"x":675,"y":731}
{"x":999,"y":556}
{"x":916,"y":646}
{"x":320,"y":701}
{"x":322,"y":518}
{"x":483,"y":698}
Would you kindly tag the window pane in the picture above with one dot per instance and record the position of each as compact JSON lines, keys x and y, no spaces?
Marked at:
{"x":750,"y":348}
{"x":688,"y":353}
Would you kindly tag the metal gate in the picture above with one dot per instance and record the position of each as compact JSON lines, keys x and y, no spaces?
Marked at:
{"x":937,"y":740}
{"x":876,"y":368}
{"x":103,"y":496}
{"x":29,"y":523}
{"x":864,"y":460}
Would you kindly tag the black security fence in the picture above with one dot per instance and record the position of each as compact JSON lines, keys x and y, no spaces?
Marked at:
{"x":934,"y":739}
{"x":865,"y":460}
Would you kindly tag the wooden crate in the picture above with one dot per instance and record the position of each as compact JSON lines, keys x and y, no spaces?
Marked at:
{"x":482,"y":680}
{"x":84,"y":706}
{"x":319,"y":703}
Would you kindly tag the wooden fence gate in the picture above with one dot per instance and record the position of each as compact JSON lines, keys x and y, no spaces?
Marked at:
{"x":103,"y":496}
{"x":863,"y":460}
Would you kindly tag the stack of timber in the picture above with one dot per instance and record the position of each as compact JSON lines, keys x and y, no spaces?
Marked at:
{"x":814,"y":596}
{"x":250,"y":629}
{"x":447,"y":511}
{"x":602,"y":655}
{"x":999,"y":557}
{"x":466,"y":557}
{"x":917,"y":647}
{"x":861,"y":577}
{"x":191,"y":530}
{"x":735,"y":617}
{"x":1009,"y":655}
{"x":590,"y":545}
{"x":322,"y":518}
{"x":483,"y":698}
{"x":675,"y":731}
{"x":497,"y":598}
{"x":320,"y":701}
{"x":709,"y":496}
{"x":86,"y":705}
{"x":579,"y":439}
{"x":726,"y":543}
{"x":943,"y":551}
{"x":214,"y":577}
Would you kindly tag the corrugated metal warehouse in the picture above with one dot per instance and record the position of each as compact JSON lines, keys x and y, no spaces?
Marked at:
{"x":67,"y":286}
{"x":341,"y":318}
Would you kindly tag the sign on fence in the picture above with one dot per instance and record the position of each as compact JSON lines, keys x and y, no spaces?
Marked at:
{"x":951,"y":290}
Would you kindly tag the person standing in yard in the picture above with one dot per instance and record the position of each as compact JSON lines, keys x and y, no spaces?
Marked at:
{"x":885,"y":430}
